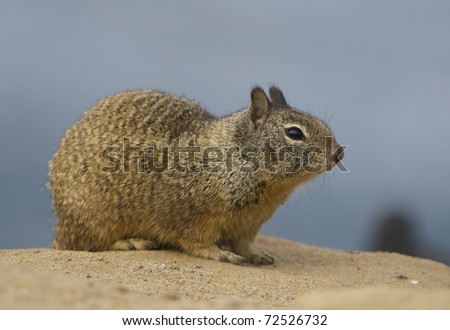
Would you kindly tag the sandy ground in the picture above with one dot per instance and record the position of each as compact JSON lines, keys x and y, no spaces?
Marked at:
{"x":304,"y":277}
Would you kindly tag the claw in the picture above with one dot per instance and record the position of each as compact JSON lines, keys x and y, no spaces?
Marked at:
{"x":261,"y":258}
{"x":216,"y":253}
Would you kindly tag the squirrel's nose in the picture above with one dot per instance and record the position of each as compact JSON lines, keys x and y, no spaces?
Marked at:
{"x":339,"y":154}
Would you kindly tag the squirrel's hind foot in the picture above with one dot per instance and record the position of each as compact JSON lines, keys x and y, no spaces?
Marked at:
{"x":134,"y":244}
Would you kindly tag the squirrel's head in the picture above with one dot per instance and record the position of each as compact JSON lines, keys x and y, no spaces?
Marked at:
{"x":293,"y":143}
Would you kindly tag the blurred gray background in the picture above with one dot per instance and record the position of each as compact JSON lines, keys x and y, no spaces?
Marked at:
{"x":378,"y":72}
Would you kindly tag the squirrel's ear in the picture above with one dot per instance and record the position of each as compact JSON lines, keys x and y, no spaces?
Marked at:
{"x":259,"y":106}
{"x":276,"y":96}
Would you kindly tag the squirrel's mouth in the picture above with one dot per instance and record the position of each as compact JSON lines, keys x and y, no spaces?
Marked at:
{"x":336,"y":158}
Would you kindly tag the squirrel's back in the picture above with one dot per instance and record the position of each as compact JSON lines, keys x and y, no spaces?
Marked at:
{"x":144,"y":113}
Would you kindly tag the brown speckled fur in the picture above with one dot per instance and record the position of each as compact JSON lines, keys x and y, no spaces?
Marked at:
{"x":209,"y":214}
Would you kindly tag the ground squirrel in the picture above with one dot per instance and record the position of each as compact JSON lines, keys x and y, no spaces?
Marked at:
{"x":146,"y":170}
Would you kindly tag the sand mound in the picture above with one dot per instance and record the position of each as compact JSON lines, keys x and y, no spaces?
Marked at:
{"x":304,"y":277}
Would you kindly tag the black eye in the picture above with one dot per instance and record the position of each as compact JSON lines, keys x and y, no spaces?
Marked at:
{"x":295,"y":133}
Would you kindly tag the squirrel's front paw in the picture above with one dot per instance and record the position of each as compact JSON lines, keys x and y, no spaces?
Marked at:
{"x":258,"y":257}
{"x":215,"y":253}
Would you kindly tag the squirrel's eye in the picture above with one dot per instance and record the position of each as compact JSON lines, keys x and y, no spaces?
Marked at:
{"x":295,"y":133}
